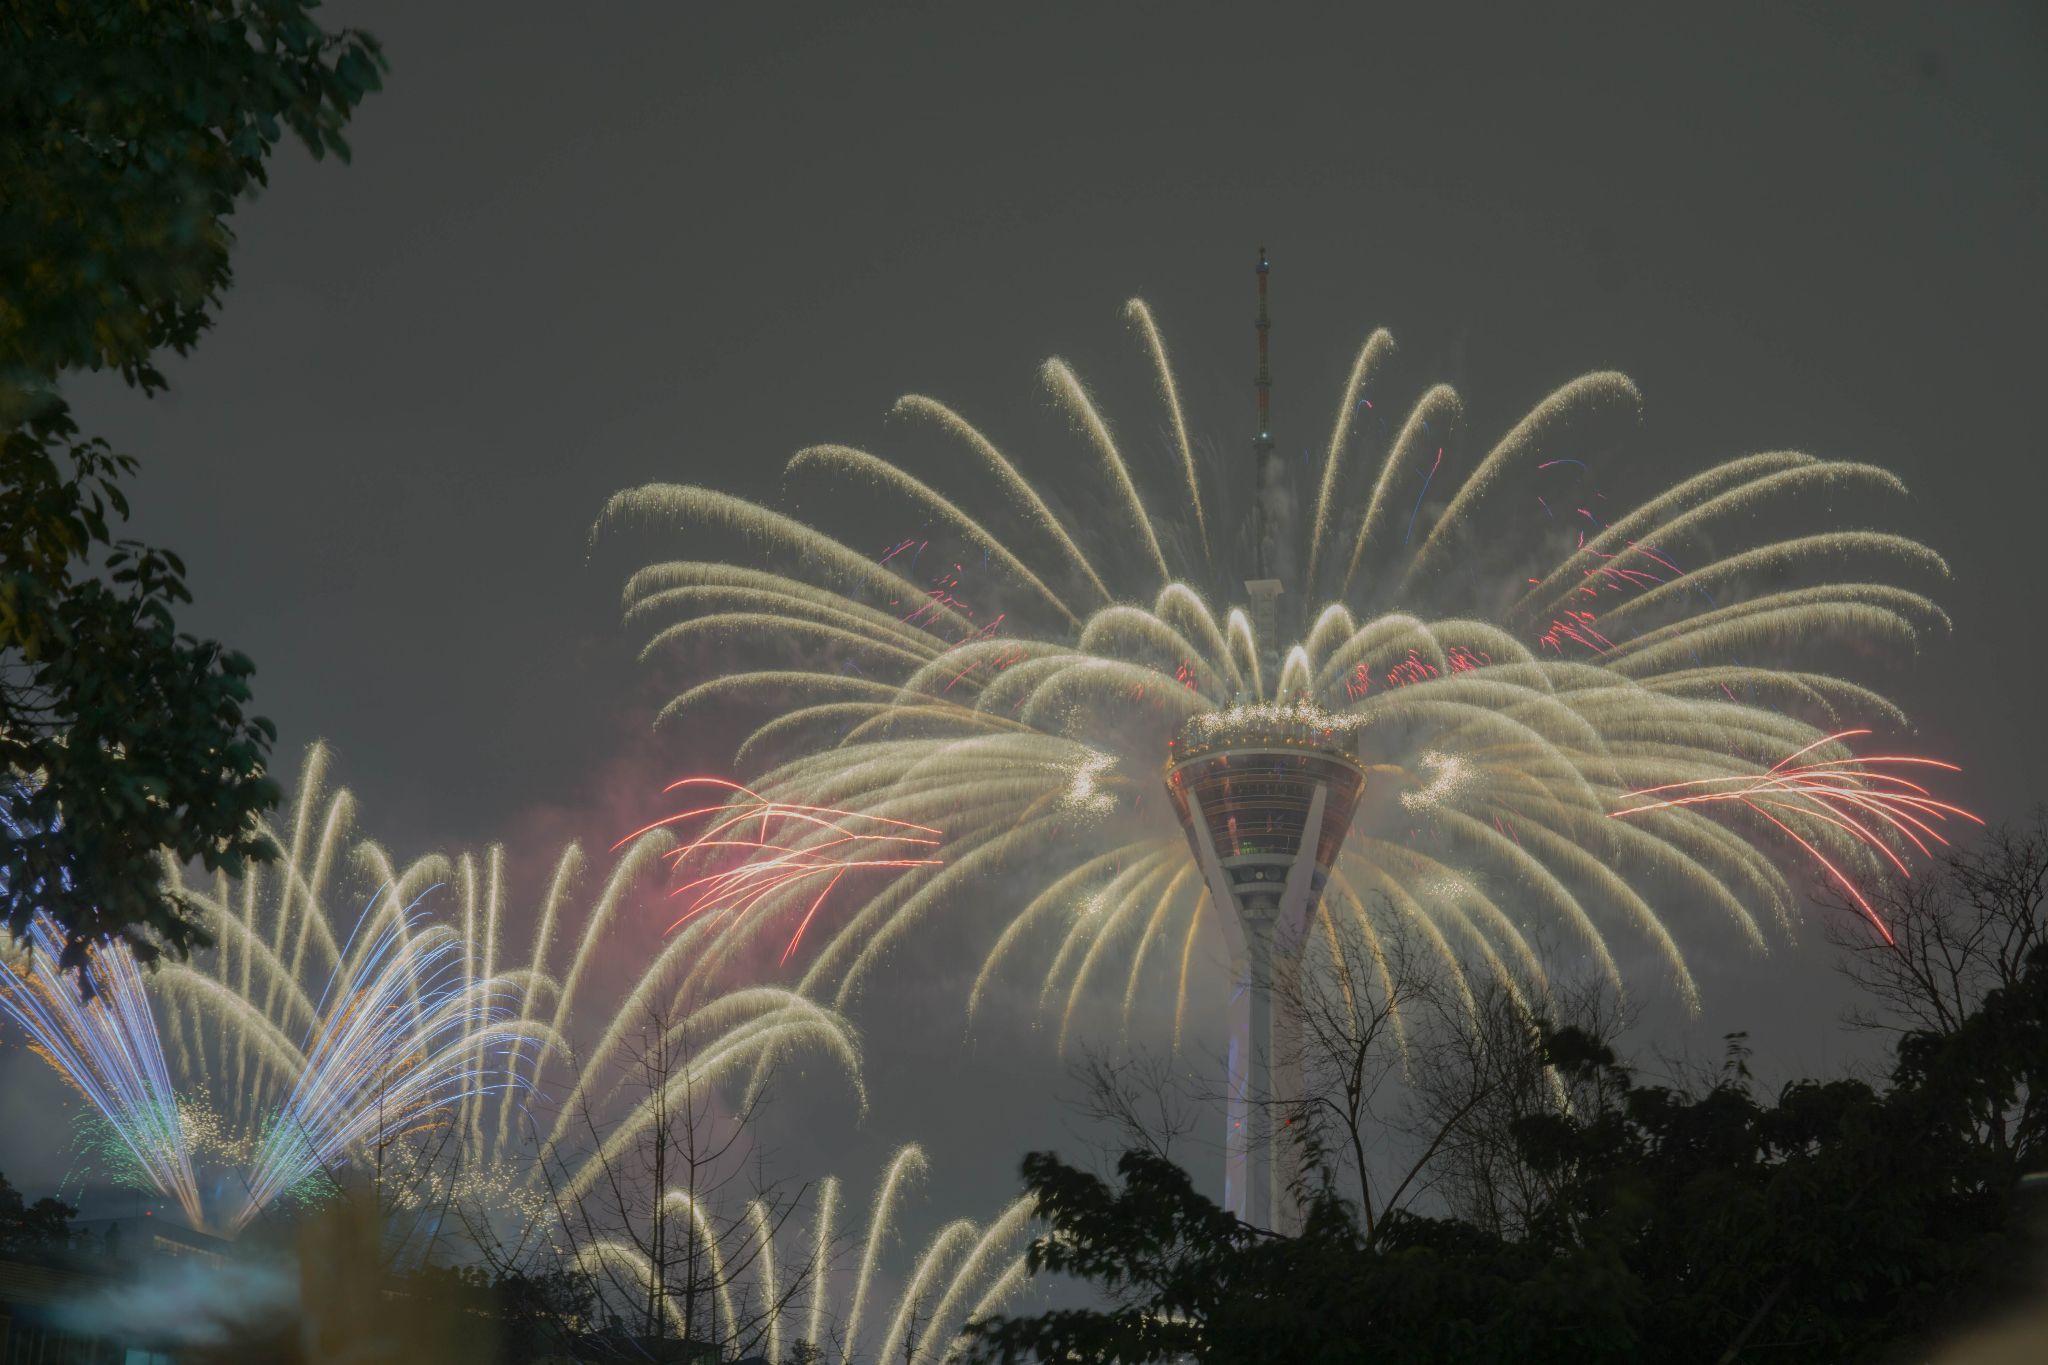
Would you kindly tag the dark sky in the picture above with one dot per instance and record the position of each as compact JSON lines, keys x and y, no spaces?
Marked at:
{"x":585,"y":246}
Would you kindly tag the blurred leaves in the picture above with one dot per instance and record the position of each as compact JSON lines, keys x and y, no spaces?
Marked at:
{"x":129,"y":131}
{"x":132,"y":130}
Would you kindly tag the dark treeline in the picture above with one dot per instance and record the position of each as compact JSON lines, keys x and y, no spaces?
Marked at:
{"x":1475,"y":1180}
{"x":1603,"y":1217}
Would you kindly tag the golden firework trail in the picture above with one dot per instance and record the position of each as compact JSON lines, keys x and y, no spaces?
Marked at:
{"x":297,"y":1048}
{"x":1515,"y":661}
{"x":964,"y":1271}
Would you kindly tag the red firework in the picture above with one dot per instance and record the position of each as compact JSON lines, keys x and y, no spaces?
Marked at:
{"x":752,"y":847}
{"x":1866,"y":797}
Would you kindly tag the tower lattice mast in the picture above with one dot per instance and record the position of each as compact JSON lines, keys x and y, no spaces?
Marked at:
{"x":1263,"y":588}
{"x":1263,"y":459}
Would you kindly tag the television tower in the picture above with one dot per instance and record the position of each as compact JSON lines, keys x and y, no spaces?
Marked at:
{"x":1265,"y":792}
{"x":1265,"y":795}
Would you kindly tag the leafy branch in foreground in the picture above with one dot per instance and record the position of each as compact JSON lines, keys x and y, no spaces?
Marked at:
{"x":129,"y":132}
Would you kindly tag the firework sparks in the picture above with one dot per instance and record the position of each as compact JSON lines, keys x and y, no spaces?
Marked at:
{"x":1447,"y":773}
{"x":1085,"y":794}
{"x":423,"y":1044}
{"x":108,"y":1050}
{"x":768,"y":848}
{"x":1563,"y":684}
{"x":1869,"y":798}
{"x":965,"y":1271}
{"x":405,"y":1038}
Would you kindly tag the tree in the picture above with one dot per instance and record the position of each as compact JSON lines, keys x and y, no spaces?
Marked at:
{"x":1397,"y":1079}
{"x":1143,"y":1100}
{"x":1956,"y":932}
{"x":129,"y":131}
{"x":674,"y":1237}
{"x":1684,"y":1224}
{"x":24,"y":1227}
{"x":1479,"y":1072}
{"x":1959,"y":935}
{"x":1356,"y":1013}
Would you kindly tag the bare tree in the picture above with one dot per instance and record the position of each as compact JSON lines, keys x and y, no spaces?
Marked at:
{"x":915,"y":1327}
{"x":1957,"y":932}
{"x":1414,"y":1073}
{"x":1144,"y":1100}
{"x":679,"y":1200}
{"x":1953,"y":936}
{"x":674,"y":1235}
{"x":1404,"y":1077}
{"x":1479,"y":1072}
{"x":413,"y":1171}
{"x":1346,"y":1014}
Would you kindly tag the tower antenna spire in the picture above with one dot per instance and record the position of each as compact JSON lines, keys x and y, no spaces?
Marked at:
{"x":1262,"y":443}
{"x":1263,"y":588}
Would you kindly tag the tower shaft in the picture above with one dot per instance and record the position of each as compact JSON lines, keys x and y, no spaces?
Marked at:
{"x":1265,"y":796}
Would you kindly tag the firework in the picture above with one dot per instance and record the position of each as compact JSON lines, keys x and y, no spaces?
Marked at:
{"x":405,"y":1037}
{"x":1868,"y":798}
{"x":745,"y":854}
{"x":965,"y":1271}
{"x":402,"y":1036}
{"x":95,"y":1028}
{"x":318,"y":1050}
{"x":1502,"y":702}
{"x":106,"y":1047}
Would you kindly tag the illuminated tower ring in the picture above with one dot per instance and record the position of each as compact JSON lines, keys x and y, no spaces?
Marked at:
{"x":1266,"y":795}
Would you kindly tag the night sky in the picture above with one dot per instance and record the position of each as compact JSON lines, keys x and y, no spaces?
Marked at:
{"x":586,"y":246}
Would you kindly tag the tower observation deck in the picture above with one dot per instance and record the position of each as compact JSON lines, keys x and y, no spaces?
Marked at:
{"x":1265,"y":794}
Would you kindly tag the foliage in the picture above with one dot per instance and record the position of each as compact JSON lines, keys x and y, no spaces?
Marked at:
{"x":134,"y":128}
{"x":123,"y":739}
{"x":25,"y":1227}
{"x":1681,"y":1225}
{"x":532,"y":1315}
{"x":129,"y":130}
{"x":1963,"y":931}
{"x":538,"y":1311}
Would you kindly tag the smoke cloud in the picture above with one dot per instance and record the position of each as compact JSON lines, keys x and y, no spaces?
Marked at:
{"x":188,"y":1304}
